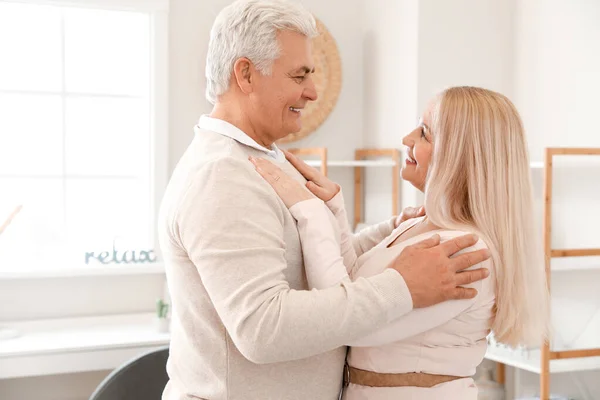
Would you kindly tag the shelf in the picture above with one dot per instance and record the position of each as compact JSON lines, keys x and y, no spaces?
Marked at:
{"x":531,"y":362}
{"x":50,"y":347}
{"x":379,"y":163}
{"x":355,"y":163}
{"x":569,"y":264}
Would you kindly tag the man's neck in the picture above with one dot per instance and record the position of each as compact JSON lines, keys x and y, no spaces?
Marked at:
{"x":236,"y":117}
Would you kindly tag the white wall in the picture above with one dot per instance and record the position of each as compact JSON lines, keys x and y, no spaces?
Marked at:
{"x":391,"y":89}
{"x":464,"y":42}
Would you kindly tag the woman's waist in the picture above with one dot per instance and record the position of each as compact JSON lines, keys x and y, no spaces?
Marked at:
{"x":404,"y":358}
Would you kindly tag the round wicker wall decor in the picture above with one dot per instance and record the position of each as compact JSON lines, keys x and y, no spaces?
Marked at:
{"x":328,"y":82}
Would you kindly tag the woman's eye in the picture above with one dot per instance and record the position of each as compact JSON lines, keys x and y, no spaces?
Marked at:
{"x":423,"y":132}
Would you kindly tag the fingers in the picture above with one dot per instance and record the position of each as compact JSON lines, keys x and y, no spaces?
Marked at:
{"x":468,"y":277}
{"x":269,"y":171}
{"x":316,"y":189}
{"x":413,"y":212}
{"x":469,"y":259}
{"x":427,"y":243}
{"x":309,"y":173}
{"x":409,"y":213}
{"x":461,"y":293}
{"x":457,"y":244}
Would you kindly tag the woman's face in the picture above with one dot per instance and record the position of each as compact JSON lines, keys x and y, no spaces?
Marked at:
{"x":419,"y":149}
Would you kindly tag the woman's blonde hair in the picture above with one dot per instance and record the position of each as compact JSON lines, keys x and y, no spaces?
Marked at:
{"x":479,"y":180}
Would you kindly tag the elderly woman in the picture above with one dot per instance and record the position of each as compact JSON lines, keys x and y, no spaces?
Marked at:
{"x":468,"y":155}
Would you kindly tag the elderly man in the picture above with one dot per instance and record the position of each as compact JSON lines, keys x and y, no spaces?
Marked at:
{"x":244,"y":324}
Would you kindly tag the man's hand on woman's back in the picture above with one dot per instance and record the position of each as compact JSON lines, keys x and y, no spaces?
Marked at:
{"x":433,"y":277}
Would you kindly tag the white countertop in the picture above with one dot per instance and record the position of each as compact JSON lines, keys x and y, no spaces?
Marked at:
{"x":77,"y":344}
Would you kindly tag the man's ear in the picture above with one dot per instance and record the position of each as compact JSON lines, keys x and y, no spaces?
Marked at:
{"x":244,"y":73}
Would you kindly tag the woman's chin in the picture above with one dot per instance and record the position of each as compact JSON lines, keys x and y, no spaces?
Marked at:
{"x":408,"y":177}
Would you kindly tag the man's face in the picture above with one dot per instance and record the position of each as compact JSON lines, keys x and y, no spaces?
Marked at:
{"x":278,"y":100}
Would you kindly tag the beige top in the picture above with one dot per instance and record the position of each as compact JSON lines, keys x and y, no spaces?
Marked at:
{"x":244,"y":325}
{"x":447,"y":339}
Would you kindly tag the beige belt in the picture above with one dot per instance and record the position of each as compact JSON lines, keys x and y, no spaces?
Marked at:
{"x":375,"y":379}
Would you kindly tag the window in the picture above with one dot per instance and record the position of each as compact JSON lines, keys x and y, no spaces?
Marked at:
{"x":82,"y":134}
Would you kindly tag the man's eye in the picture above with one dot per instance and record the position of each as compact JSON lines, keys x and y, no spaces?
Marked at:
{"x":300,"y":78}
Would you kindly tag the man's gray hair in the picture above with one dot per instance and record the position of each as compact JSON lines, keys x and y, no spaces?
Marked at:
{"x":248,"y":28}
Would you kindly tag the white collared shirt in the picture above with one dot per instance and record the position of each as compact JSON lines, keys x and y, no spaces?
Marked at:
{"x":226,"y":129}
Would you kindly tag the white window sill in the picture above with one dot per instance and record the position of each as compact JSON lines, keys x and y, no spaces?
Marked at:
{"x":73,"y":345}
{"x":99,"y":270}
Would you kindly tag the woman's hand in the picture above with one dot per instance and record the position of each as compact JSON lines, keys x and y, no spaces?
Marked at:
{"x":322,"y":187}
{"x":409,"y":213}
{"x":287,"y":188}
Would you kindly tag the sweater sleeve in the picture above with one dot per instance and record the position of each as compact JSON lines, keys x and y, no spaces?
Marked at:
{"x":362,"y":241}
{"x":323,"y":262}
{"x":424,"y":319}
{"x":230,"y":222}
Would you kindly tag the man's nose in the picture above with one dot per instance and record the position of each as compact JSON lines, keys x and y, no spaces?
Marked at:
{"x":310,"y":92}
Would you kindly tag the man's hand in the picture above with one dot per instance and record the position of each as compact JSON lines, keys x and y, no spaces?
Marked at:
{"x":433,"y":277}
{"x":409,"y":213}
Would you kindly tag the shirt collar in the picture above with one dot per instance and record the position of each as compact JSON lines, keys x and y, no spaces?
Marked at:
{"x":226,"y":129}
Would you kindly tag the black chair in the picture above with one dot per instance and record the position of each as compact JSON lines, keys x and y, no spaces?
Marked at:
{"x":143,"y":377}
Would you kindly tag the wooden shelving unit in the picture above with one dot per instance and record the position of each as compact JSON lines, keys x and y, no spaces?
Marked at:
{"x":546,"y":361}
{"x":393,"y":160}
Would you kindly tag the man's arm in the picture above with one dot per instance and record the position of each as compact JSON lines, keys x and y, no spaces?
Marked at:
{"x":231,"y":225}
{"x":424,"y":319}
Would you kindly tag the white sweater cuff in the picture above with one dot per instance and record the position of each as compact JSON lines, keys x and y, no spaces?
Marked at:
{"x":306,"y":208}
{"x":393,"y":288}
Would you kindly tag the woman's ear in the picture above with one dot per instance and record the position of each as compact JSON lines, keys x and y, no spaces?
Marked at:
{"x":244,"y":71}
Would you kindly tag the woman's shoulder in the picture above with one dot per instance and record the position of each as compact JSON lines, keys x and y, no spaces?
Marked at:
{"x":486,"y":287}
{"x":449,"y":234}
{"x":403,"y":226}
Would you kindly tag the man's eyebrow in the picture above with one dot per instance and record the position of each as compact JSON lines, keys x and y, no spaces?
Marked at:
{"x":304,"y":69}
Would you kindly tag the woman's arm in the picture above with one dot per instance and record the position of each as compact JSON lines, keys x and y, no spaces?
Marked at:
{"x":324,"y":265}
{"x":367,"y":238}
{"x":347,"y":240}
